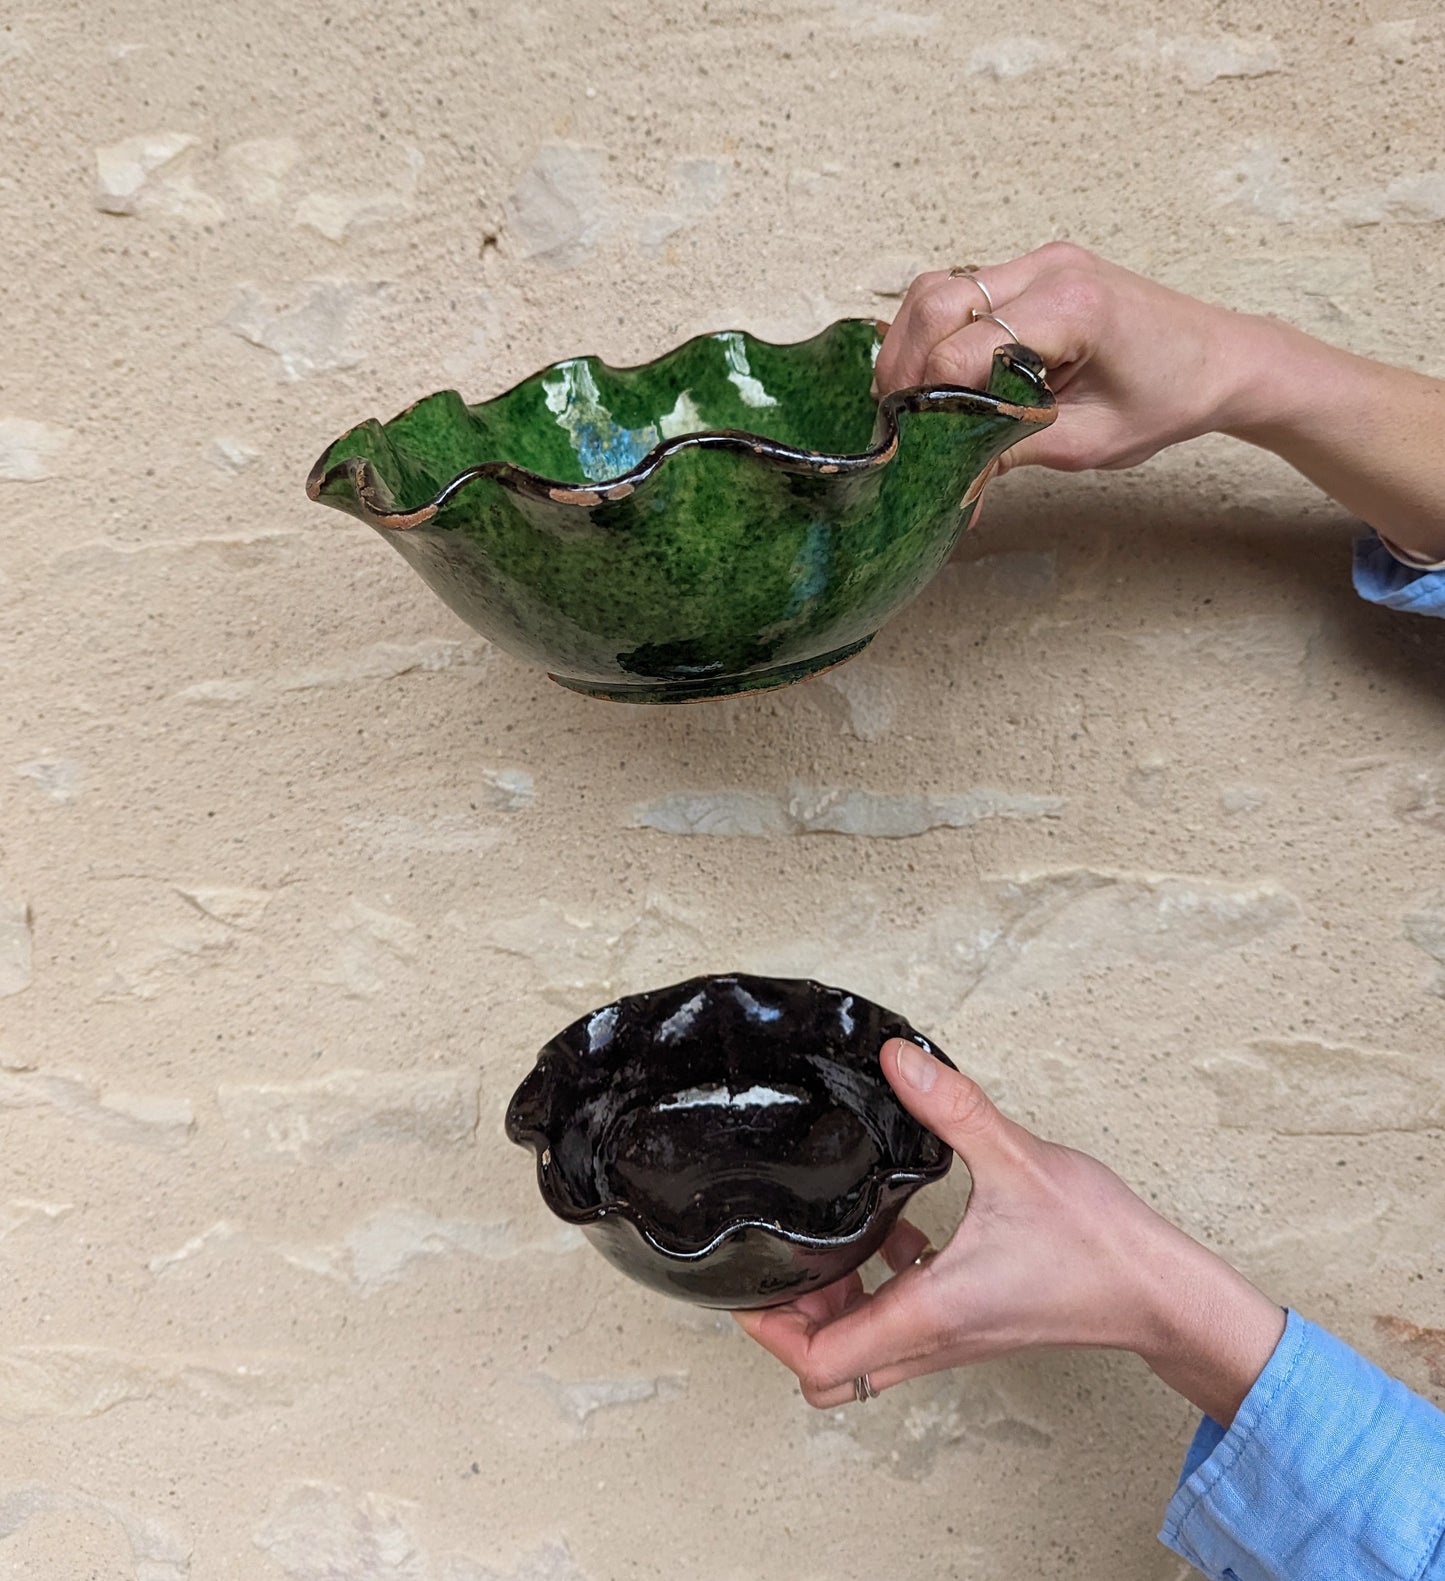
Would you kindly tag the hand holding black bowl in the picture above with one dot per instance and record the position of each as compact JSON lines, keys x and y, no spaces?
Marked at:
{"x":1054,"y":1251}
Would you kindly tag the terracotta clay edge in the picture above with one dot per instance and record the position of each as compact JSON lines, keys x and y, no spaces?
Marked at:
{"x":979,"y":484}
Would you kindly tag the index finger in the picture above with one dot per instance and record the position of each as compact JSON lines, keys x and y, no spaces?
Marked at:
{"x":938,"y":304}
{"x":897,"y":1325}
{"x":783,"y":1331}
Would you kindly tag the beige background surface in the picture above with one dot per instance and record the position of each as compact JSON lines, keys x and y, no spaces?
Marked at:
{"x":297,"y":874}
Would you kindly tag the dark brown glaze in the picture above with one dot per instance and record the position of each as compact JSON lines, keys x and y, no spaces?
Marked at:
{"x":730,"y":1140}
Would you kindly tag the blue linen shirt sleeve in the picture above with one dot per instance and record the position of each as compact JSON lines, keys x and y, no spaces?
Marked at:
{"x":1383,"y":579}
{"x":1332,"y":1471}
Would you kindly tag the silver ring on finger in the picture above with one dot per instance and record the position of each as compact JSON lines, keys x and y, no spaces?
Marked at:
{"x":970,"y":272}
{"x":863,"y":1389}
{"x":997,"y":320}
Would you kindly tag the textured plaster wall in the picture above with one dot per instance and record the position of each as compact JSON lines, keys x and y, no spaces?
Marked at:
{"x":296,"y":873}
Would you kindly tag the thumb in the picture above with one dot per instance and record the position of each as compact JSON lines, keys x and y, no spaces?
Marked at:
{"x":951,"y":1105}
{"x":1033,"y":451}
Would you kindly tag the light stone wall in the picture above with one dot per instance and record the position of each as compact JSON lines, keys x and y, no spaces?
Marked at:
{"x":1138,"y":810}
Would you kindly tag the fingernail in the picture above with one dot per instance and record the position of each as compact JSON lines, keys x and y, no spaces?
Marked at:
{"x":917,"y":1068}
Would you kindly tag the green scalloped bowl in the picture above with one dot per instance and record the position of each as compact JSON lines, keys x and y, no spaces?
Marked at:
{"x":733,"y":516}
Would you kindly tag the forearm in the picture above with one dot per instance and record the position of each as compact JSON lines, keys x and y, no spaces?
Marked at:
{"x":1204,"y":1329}
{"x":1369,"y":435}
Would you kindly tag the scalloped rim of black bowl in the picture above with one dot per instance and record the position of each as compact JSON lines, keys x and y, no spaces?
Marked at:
{"x":378,"y":505}
{"x":876,"y":1182}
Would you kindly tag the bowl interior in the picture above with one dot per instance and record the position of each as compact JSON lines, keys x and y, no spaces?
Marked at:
{"x":581,"y":421}
{"x":728,"y":1100}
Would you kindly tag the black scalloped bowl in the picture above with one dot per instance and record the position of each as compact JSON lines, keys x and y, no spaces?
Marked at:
{"x":731,"y":1140}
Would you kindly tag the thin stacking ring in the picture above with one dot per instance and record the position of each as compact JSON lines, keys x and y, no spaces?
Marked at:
{"x":927,"y":1255}
{"x":863,"y":1389}
{"x":997,"y":320}
{"x":968,"y":272}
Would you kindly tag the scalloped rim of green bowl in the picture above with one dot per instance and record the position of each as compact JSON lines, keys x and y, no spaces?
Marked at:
{"x":376,"y":501}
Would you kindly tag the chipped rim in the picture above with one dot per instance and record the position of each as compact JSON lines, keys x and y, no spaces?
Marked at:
{"x":880,"y":1179}
{"x":375,"y":499}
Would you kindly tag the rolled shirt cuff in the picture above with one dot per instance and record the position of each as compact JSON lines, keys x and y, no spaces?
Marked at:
{"x":1384,"y":578}
{"x":1331,"y":1469}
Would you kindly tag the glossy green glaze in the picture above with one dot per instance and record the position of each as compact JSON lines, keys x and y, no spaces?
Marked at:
{"x":733,"y":516}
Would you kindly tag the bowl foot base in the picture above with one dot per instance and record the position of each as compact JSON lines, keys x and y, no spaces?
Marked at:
{"x":705,"y":689}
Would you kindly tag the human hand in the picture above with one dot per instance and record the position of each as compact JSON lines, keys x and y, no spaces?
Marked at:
{"x":1054,"y":1251}
{"x":1135,"y":366}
